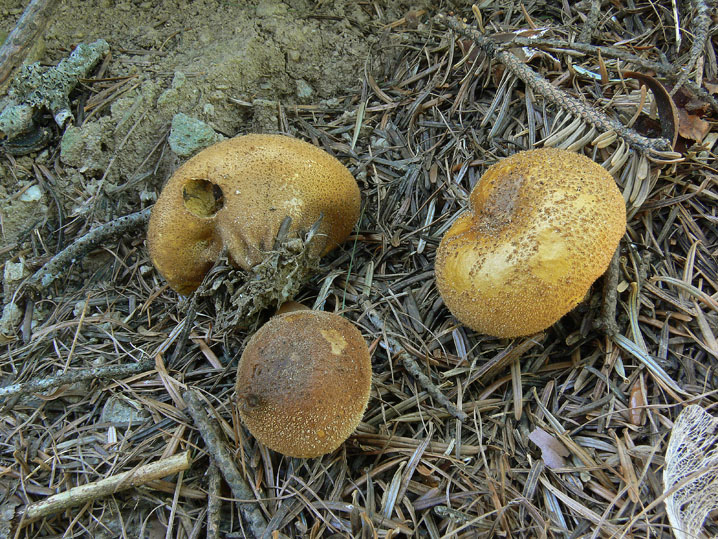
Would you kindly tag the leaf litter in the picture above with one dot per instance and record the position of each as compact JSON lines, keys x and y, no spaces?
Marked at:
{"x":417,"y":135}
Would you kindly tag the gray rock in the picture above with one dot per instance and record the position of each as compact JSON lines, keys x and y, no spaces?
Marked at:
{"x":304,"y":91}
{"x":121,"y":413}
{"x":190,"y":135}
{"x":84,"y":149}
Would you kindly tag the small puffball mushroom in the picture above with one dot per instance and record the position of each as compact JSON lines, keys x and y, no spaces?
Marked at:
{"x":542,"y":226}
{"x":303,"y":382}
{"x":236,"y":193}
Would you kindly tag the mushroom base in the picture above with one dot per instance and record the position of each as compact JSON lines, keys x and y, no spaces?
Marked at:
{"x":238,"y":296}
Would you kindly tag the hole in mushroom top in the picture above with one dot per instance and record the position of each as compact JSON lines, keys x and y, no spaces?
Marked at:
{"x":202,"y":198}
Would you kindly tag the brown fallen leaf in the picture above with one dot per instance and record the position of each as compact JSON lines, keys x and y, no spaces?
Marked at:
{"x":637,"y":404}
{"x":691,"y":126}
{"x":552,"y":450}
{"x":667,"y":111}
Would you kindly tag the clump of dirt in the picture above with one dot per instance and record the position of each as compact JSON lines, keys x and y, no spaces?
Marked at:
{"x":234,"y":65}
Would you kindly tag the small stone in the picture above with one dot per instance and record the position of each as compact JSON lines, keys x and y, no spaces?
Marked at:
{"x":84,"y":148}
{"x":121,"y":413}
{"x":270,"y":8}
{"x":79,"y":308}
{"x":32,"y":194}
{"x":303,"y":89}
{"x":190,"y":135}
{"x":148,"y":196}
{"x":11,"y":316}
{"x":14,"y":271}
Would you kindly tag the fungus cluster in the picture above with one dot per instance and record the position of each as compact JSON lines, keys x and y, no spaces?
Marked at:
{"x":304,"y":378}
{"x":303,"y":382}
{"x":236,"y":194}
{"x":541,"y":227}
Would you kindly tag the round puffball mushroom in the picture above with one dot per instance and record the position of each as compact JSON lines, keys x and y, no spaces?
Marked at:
{"x":236,"y":194}
{"x":542,"y":226}
{"x":303,"y":382}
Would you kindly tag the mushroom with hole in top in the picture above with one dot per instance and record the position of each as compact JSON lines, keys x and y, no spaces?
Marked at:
{"x":541,"y":227}
{"x":236,"y":194}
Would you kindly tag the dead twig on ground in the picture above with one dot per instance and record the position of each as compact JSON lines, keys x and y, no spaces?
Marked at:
{"x":701,"y":31}
{"x":223,"y":459}
{"x":606,"y":321}
{"x":214,"y":503}
{"x":30,"y":25}
{"x":656,"y":149}
{"x":412,"y":368}
{"x":663,"y":68}
{"x":43,"y":384}
{"x":591,"y":24}
{"x":100,"y":235}
{"x":104,"y":487}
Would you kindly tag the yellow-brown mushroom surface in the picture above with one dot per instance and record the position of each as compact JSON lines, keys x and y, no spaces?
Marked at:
{"x":303,"y":382}
{"x":236,"y":194}
{"x":542,"y":226}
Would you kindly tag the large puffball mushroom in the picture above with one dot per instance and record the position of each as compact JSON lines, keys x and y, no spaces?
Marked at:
{"x":542,"y":226}
{"x":236,"y":194}
{"x":303,"y":382}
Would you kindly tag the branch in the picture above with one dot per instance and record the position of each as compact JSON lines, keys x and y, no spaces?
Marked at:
{"x":413,"y":368}
{"x":222,"y":457}
{"x":30,"y":25}
{"x":104,"y":487}
{"x":45,"y":276}
{"x":655,"y":149}
{"x":42,"y":384}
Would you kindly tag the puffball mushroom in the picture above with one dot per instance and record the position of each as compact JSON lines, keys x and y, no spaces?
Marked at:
{"x":542,"y":226}
{"x":303,"y":382}
{"x":235,"y":195}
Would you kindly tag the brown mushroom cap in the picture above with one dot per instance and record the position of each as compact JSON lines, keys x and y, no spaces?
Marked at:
{"x":236,"y":194}
{"x":542,"y":226}
{"x":303,"y":382}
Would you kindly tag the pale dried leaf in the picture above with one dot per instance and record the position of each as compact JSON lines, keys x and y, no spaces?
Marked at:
{"x":691,"y":466}
{"x":552,"y":450}
{"x":691,"y":126}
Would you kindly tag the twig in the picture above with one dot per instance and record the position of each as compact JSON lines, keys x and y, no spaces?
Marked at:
{"x":412,"y":368}
{"x":663,"y":68}
{"x":216,"y":447}
{"x":31,"y":23}
{"x":701,"y":27}
{"x":104,"y":487}
{"x":111,"y":371}
{"x":607,"y":52}
{"x":181,"y":341}
{"x":606,"y":320}
{"x":214,"y":503}
{"x":43,"y":277}
{"x":589,"y":27}
{"x":654,"y":148}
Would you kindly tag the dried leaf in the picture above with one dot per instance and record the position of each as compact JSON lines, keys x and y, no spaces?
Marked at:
{"x":690,"y":476}
{"x":667,"y":111}
{"x":552,"y":450}
{"x":691,"y":126}
{"x":7,"y":515}
{"x":637,"y":403}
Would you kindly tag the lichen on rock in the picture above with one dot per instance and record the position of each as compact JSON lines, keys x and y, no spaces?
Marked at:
{"x":36,"y":87}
